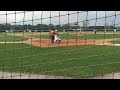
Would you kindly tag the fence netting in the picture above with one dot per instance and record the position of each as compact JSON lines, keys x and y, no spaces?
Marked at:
{"x":59,"y":44}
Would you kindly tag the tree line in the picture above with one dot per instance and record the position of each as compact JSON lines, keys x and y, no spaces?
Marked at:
{"x":47,"y":27}
{"x":36,"y":27}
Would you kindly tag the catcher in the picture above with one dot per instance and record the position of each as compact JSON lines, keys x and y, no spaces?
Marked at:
{"x":56,"y":37}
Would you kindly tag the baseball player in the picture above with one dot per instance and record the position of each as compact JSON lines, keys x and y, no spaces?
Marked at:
{"x":56,"y":37}
{"x":52,"y":32}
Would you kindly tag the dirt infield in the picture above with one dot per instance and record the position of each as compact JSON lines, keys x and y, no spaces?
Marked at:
{"x":64,"y":42}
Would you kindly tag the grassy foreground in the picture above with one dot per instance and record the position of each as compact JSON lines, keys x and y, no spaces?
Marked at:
{"x":63,"y":61}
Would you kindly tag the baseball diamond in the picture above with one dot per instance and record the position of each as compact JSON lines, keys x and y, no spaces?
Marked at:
{"x":82,"y":46}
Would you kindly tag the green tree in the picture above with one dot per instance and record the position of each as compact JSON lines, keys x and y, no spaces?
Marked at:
{"x":66,"y":26}
{"x":58,"y":27}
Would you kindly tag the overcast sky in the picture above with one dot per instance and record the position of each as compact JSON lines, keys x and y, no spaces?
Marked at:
{"x":28,"y":16}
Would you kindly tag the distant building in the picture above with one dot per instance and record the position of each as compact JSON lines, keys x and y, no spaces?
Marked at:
{"x":96,"y":27}
{"x":101,"y":27}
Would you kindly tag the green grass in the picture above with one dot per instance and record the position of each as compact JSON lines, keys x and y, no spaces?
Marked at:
{"x":67,"y":61}
{"x":8,"y":38}
{"x":88,"y":36}
{"x":28,"y":33}
{"x":116,"y":41}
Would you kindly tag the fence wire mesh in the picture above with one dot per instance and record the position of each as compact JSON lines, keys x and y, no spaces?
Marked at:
{"x":59,"y":44}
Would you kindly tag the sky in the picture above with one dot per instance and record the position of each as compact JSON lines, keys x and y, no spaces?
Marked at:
{"x":34,"y":17}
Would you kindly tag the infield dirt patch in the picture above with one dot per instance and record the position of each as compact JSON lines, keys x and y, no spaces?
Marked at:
{"x":65,"y":42}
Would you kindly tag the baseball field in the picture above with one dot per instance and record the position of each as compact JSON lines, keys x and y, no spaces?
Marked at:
{"x":77,"y":55}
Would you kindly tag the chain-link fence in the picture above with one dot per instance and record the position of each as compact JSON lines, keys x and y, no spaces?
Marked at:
{"x":59,"y":44}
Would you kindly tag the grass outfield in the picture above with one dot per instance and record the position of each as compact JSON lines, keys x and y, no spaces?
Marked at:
{"x":88,"y":36}
{"x":8,"y":38}
{"x":63,"y":61}
{"x":29,"y":33}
